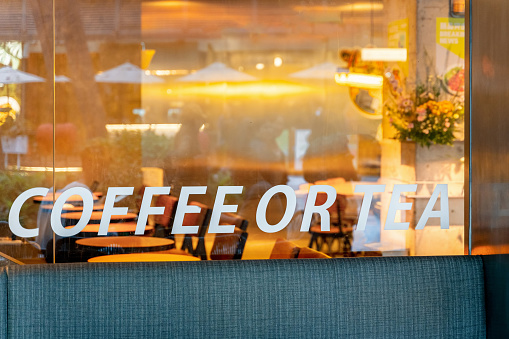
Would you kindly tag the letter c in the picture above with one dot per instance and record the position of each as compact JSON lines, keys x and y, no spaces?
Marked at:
{"x":14,"y":223}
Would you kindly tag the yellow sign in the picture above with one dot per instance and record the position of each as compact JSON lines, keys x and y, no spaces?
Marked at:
{"x":451,"y":35}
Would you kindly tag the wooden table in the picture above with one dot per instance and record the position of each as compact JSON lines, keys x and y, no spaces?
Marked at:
{"x":122,"y":228}
{"x":125,"y":244}
{"x":72,"y":218}
{"x":73,"y":199}
{"x":143,"y":257}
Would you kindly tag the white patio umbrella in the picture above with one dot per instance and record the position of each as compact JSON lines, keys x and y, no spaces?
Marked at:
{"x":127,"y":73}
{"x":62,"y":78}
{"x":217,"y":72}
{"x":321,"y":71}
{"x":12,"y":76}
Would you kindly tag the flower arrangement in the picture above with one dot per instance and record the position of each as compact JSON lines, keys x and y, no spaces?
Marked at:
{"x":421,"y":116}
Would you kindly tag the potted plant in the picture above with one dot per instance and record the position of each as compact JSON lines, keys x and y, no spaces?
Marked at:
{"x":423,"y":115}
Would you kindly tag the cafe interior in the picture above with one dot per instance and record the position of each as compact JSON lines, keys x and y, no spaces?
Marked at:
{"x":227,"y":115}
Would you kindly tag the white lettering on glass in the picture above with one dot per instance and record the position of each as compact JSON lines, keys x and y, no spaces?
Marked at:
{"x":369,"y":191}
{"x":56,"y":213}
{"x":109,"y":208}
{"x":395,"y":205}
{"x":220,"y":207}
{"x":321,"y":209}
{"x":146,"y":209}
{"x":443,"y":214}
{"x":261,"y":211}
{"x":14,"y":223}
{"x":183,"y":208}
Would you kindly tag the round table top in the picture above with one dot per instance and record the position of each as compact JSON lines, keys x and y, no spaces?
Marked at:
{"x":70,"y":208}
{"x":122,"y":227}
{"x":126,"y":242}
{"x":143,"y":257}
{"x":72,"y":199}
{"x":97,"y":215}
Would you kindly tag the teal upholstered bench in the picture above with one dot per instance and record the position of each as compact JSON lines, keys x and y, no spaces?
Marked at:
{"x":422,"y":297}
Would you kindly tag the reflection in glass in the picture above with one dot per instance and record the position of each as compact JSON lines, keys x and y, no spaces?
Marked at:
{"x":216,"y":93}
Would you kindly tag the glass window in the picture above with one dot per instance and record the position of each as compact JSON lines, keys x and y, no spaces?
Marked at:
{"x":233,"y":129}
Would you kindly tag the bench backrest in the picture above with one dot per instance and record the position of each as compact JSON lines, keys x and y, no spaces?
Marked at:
{"x":356,"y":298}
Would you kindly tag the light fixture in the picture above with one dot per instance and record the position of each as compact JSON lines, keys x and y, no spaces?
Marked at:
{"x":384,"y":54}
{"x":457,"y":8}
{"x":278,"y":61}
{"x":370,"y":81}
{"x":162,"y":129}
{"x":260,"y":66}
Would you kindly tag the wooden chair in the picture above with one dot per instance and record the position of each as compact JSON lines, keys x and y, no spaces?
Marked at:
{"x":233,"y":219}
{"x":201,"y":219}
{"x":230,"y":246}
{"x":164,"y":222}
{"x":341,"y":229}
{"x":284,"y":249}
{"x":309,"y":253}
{"x":5,"y":231}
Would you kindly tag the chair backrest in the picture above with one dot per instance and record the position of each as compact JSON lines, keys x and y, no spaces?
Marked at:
{"x":201,"y":219}
{"x":229,"y":246}
{"x":170,"y":206}
{"x":233,"y":219}
{"x":309,"y":253}
{"x":5,"y":231}
{"x":337,"y":209}
{"x":284,"y":249}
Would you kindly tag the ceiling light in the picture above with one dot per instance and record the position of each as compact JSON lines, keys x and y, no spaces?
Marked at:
{"x":345,"y":78}
{"x":384,"y":54}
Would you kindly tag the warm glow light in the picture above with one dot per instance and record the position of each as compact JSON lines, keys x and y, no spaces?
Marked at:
{"x":146,"y":57}
{"x":164,"y":129}
{"x":168,"y":3}
{"x":356,"y":7}
{"x":359,"y":80}
{"x":47,"y":169}
{"x":384,"y":54}
{"x":260,"y":66}
{"x":260,"y":88}
{"x":163,"y":72}
{"x":278,"y":61}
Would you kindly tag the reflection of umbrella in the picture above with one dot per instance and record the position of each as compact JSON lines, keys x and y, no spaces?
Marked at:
{"x":127,"y":74}
{"x":12,"y":76}
{"x":324,"y":71}
{"x":217,"y":72}
{"x":62,"y":78}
